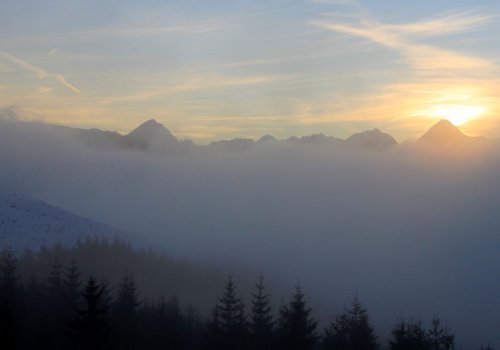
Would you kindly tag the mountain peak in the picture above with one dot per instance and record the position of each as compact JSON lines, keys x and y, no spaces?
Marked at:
{"x":152,"y":135}
{"x":267,"y":138}
{"x":444,"y":123}
{"x":152,"y":123}
{"x":371,"y":139}
{"x":443,"y":132}
{"x":149,"y":126}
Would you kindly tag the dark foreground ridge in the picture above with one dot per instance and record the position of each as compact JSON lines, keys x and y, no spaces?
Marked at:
{"x":59,"y":307}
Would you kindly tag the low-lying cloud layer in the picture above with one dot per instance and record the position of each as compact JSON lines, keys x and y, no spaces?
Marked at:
{"x":415,"y":232}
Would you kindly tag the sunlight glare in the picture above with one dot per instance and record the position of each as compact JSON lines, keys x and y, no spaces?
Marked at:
{"x":457,"y":114}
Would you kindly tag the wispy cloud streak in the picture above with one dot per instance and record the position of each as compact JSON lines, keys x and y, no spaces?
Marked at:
{"x":196,"y":82}
{"x":402,"y":37}
{"x":39,"y":72}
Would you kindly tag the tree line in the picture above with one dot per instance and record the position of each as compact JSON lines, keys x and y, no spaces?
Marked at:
{"x":66,"y":310}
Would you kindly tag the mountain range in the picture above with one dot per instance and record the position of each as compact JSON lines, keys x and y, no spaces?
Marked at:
{"x":27,"y":222}
{"x":151,"y":136}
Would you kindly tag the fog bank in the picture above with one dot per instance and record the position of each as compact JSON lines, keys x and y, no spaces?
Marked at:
{"x":415,"y":231}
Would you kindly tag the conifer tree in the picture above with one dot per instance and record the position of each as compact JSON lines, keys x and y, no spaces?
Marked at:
{"x":55,"y":281}
{"x":35,"y":307}
{"x":408,"y":336}
{"x":90,"y":328}
{"x":439,"y":336}
{"x":193,"y":328}
{"x":174,"y":323}
{"x":214,"y":332}
{"x":351,"y":330}
{"x":487,"y":347}
{"x":10,"y":303}
{"x":296,"y":329}
{"x":229,"y":325}
{"x":72,"y":296}
{"x":56,"y":310}
{"x":164,"y":325}
{"x":106,"y":295}
{"x":72,"y":285}
{"x":261,"y":322}
{"x":9,"y":283}
{"x":124,"y":315}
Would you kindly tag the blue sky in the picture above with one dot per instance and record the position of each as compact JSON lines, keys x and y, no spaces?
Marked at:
{"x":222,"y":69}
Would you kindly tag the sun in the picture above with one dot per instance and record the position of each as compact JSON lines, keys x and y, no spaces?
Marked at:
{"x":457,"y":114}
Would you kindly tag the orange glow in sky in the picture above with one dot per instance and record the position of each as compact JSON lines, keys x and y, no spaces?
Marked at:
{"x":248,"y":68}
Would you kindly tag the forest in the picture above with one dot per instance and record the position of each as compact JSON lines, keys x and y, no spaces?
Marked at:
{"x":48,"y":302}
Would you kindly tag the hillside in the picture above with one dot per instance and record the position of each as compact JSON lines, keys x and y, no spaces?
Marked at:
{"x":30,"y":223}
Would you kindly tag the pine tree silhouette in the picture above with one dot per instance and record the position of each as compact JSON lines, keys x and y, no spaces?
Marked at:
{"x":214,"y":334}
{"x":228,"y":328}
{"x":124,"y":315}
{"x":487,"y":347}
{"x":193,"y":329}
{"x":261,"y":322}
{"x":55,"y":311}
{"x":9,"y":282}
{"x":296,"y":329}
{"x":10,"y":303}
{"x":90,"y":328}
{"x":164,"y":325}
{"x":72,"y":285}
{"x":174,"y":323}
{"x":55,"y":281}
{"x":439,"y":336}
{"x":408,"y":335}
{"x":351,"y":330}
{"x":34,"y":307}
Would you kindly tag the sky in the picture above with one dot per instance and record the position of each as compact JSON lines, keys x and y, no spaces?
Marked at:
{"x":238,"y":68}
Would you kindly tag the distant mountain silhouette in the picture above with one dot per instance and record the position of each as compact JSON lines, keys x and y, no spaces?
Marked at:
{"x":153,"y":136}
{"x":267,"y":138}
{"x":315,"y":139}
{"x":97,"y":138}
{"x":371,"y":139}
{"x":238,"y":144}
{"x":149,"y":136}
{"x":444,"y":133}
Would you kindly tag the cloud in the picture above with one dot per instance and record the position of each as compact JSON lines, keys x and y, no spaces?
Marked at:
{"x":443,"y":25}
{"x":336,"y":2}
{"x":39,"y":72}
{"x":434,"y":73}
{"x":193,"y":83}
{"x":9,"y":113}
{"x":104,"y":34}
{"x":422,"y":57}
{"x":150,"y":31}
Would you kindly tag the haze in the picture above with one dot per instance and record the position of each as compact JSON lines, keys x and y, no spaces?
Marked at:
{"x":346,"y":146}
{"x":413,"y":229}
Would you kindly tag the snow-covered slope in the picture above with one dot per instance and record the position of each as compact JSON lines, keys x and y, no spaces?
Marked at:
{"x":29,"y":223}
